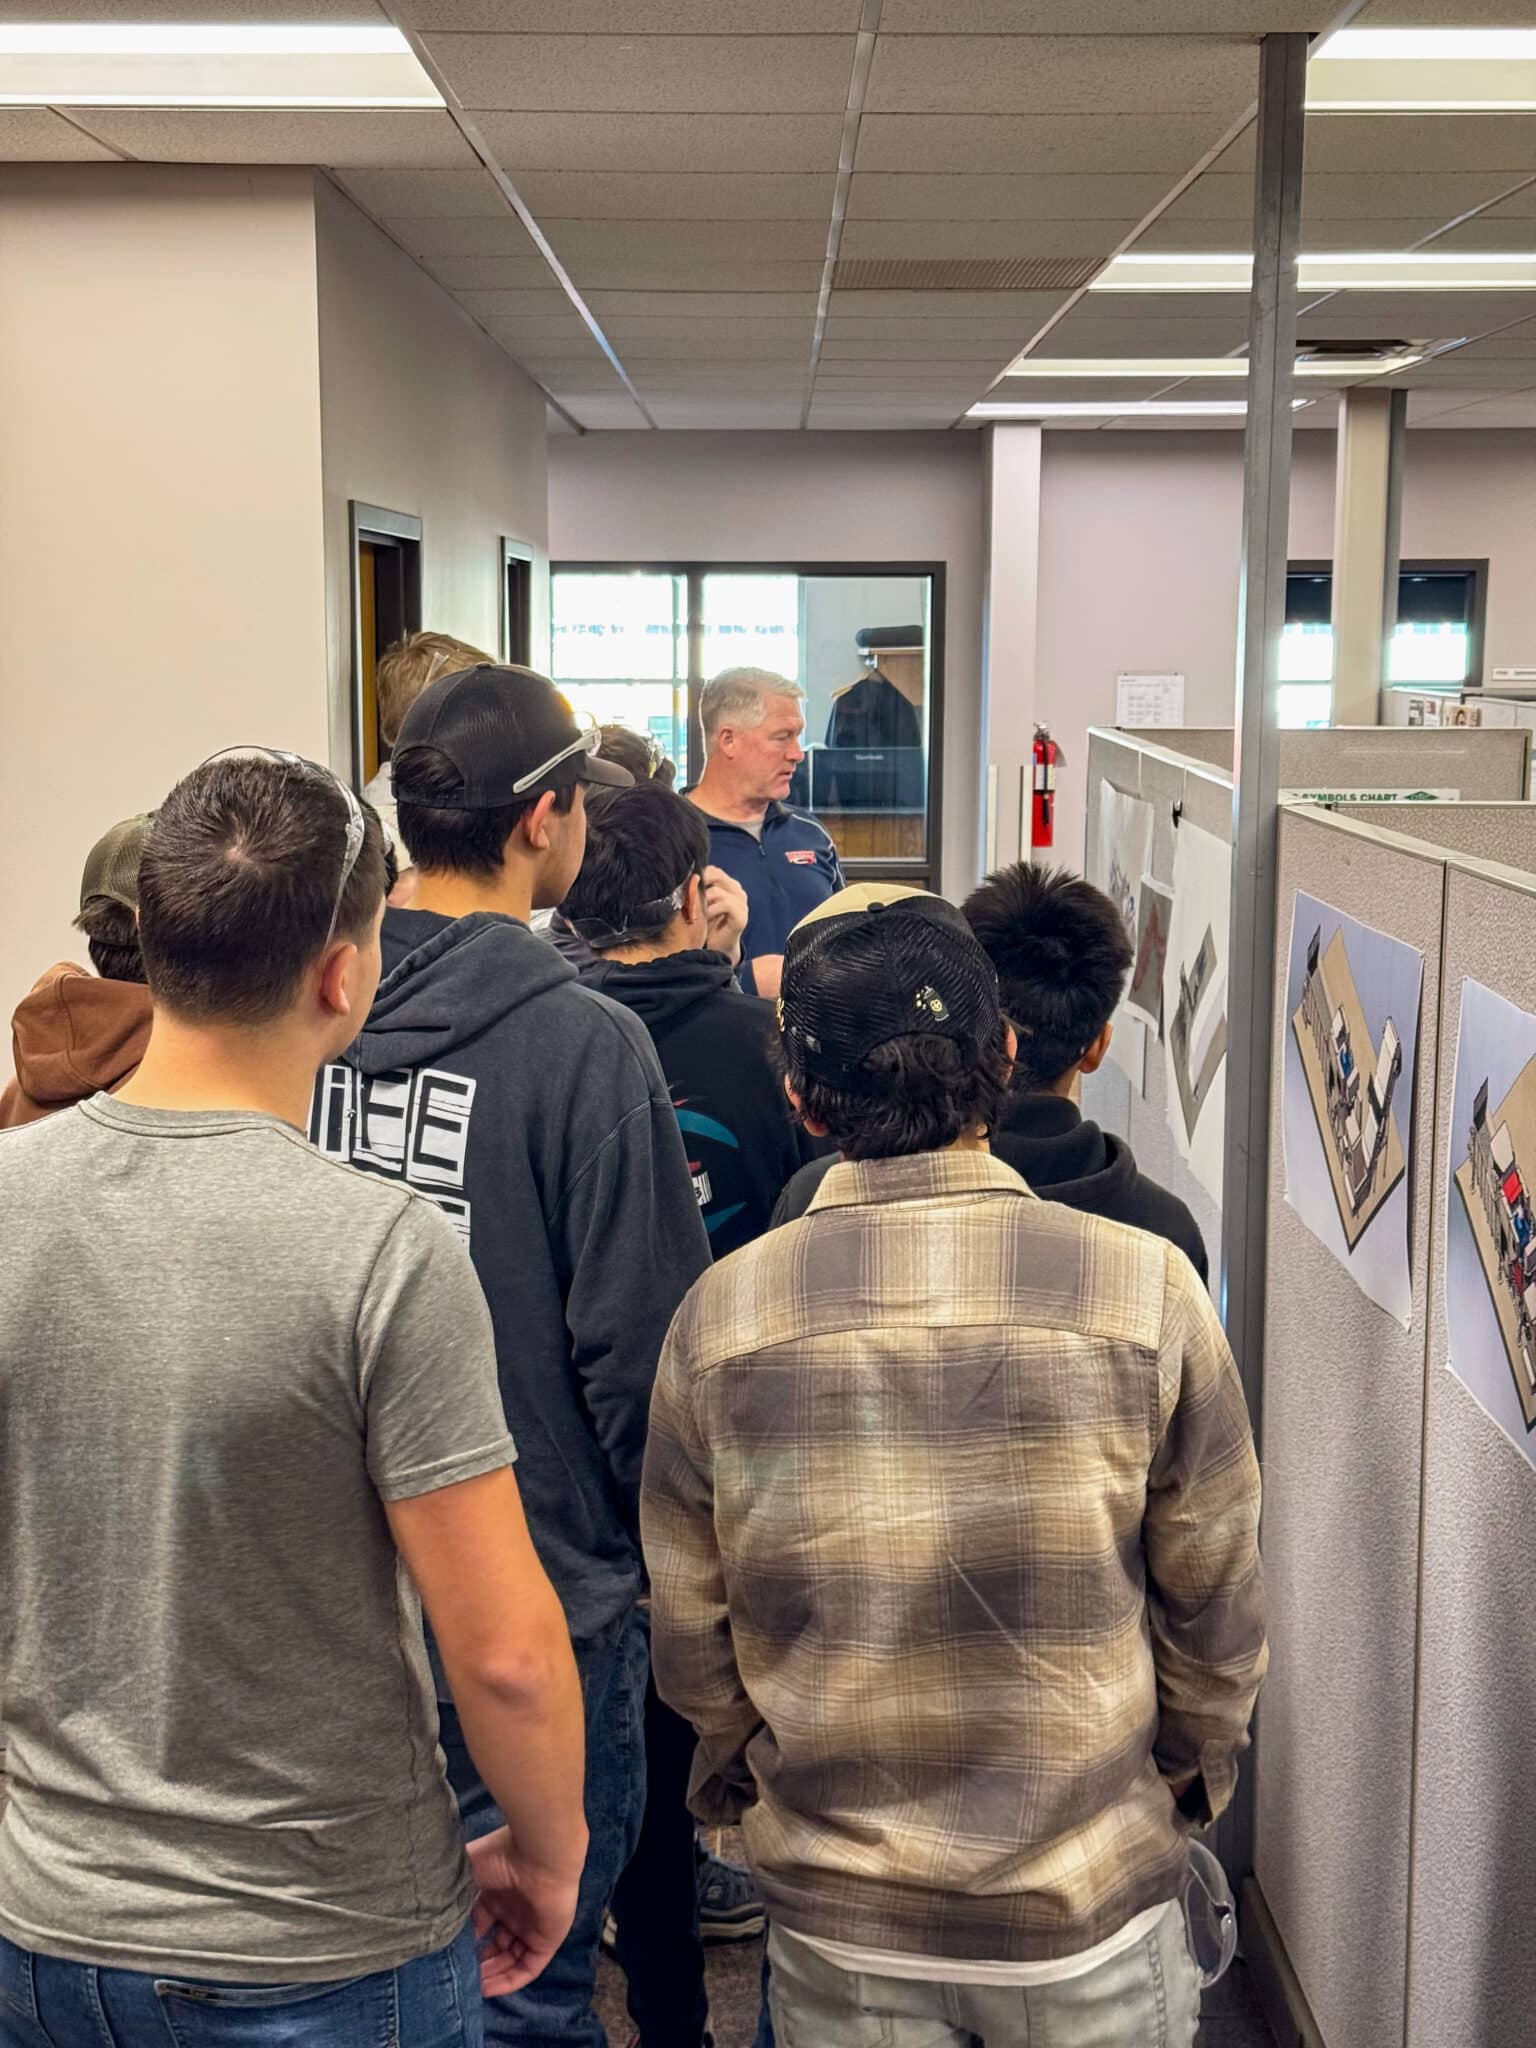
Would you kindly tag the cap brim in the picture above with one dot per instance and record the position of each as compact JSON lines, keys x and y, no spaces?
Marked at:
{"x":595,"y":769}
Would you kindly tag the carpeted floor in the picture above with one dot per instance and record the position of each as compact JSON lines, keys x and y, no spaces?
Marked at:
{"x":1232,"y":2018}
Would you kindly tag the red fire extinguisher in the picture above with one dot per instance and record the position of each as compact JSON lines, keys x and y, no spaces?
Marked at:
{"x":1048,"y":758}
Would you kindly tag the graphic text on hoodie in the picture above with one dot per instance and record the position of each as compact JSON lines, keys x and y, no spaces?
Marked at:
{"x":411,"y":1125}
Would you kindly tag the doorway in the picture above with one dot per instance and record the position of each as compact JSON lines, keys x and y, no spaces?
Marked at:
{"x":386,"y":605}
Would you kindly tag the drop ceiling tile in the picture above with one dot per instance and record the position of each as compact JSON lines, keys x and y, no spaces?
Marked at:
{"x":1101,"y":17}
{"x":241,"y":11}
{"x":676,"y":143}
{"x":1133,"y":306}
{"x":1077,"y":390}
{"x":1517,"y":341}
{"x":238,"y":135}
{"x":705,"y":345}
{"x":679,"y":196}
{"x":426,"y":195}
{"x":38,"y":135}
{"x":640,"y":17}
{"x":1081,"y":334}
{"x":492,"y":303}
{"x":501,"y":274}
{"x":1436,"y":13}
{"x":738,"y":334}
{"x":544,"y":306}
{"x":640,"y":270}
{"x":837,"y":348}
{"x":647,"y":74}
{"x":1067,"y":74}
{"x":1461,"y":372}
{"x":924,"y":337}
{"x":1490,"y":232}
{"x":1176,"y":233}
{"x":684,"y":304}
{"x":741,"y":417}
{"x":705,"y":376}
{"x":961,"y":238}
{"x":604,"y":414}
{"x":638,"y":241}
{"x":1044,"y":144}
{"x":1027,"y":310}
{"x":1351,"y":315}
{"x":892,"y":195}
{"x":1358,"y":195}
{"x":1515,"y":410}
{"x":504,"y":236}
{"x":1345,"y":143}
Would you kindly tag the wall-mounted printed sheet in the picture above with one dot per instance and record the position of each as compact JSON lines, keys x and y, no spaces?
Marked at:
{"x":1124,"y":855}
{"x":1142,"y":700}
{"x":1154,"y":910}
{"x":1352,"y":998}
{"x":1195,"y":1001}
{"x":1490,"y":1236}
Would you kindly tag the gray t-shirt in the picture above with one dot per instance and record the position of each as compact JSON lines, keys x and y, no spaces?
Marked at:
{"x":220,"y":1354}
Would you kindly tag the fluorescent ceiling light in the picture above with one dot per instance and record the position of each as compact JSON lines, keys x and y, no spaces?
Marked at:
{"x":1425,"y":70}
{"x":1419,"y":270}
{"x":106,"y":64}
{"x":1087,"y":409}
{"x":1202,"y":366}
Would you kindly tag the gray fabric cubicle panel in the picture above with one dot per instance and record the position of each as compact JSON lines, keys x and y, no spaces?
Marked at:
{"x":1504,"y":832}
{"x":1476,"y":761}
{"x":1343,"y":1419}
{"x":1472,"y":1976}
{"x":1212,"y":744}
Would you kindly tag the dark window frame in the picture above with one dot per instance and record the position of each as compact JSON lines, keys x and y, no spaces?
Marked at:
{"x":1475,"y":566}
{"x":926,"y":872}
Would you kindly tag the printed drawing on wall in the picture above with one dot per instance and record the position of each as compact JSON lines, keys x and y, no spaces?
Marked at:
{"x":1352,"y":996}
{"x":1145,"y":993}
{"x":1195,"y":1001}
{"x":1490,"y":1249}
{"x":1124,"y":855}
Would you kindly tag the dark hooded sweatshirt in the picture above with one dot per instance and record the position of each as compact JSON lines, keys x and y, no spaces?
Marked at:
{"x":1065,"y":1159}
{"x":713,"y":1044}
{"x":532,"y":1111}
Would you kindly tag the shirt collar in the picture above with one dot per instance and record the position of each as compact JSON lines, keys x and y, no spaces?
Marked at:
{"x":919,"y":1176}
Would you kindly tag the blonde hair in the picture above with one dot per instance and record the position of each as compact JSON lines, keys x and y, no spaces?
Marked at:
{"x":405,"y":670}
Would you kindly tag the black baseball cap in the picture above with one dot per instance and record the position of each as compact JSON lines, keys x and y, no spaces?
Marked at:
{"x":508,"y":732}
{"x":879,"y":962}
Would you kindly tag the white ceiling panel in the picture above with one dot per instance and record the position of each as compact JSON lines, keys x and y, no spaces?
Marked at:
{"x":647,"y":74}
{"x":1081,"y":334}
{"x":426,"y":195}
{"x":697,"y":241}
{"x":605,"y":414}
{"x":1061,"y":75}
{"x":232,"y":11}
{"x":542,"y":306}
{"x":663,"y":142}
{"x":970,"y":238}
{"x":640,"y":17}
{"x":1345,"y":143}
{"x":1441,"y":13}
{"x":1350,"y":315}
{"x":503,"y":275}
{"x":726,"y":337}
{"x":1461,"y":372}
{"x":1176,"y":232}
{"x":1514,"y":410}
{"x":1102,"y":17}
{"x":700,"y":305}
{"x":707,"y":345}
{"x":679,"y":196}
{"x":37,"y":135}
{"x":890,"y":195}
{"x":837,"y":348}
{"x":523,"y":339}
{"x":1490,"y":232}
{"x":195,"y":135}
{"x":1026,"y":310}
{"x":489,"y":301}
{"x":502,"y":236}
{"x":1045,"y":144}
{"x":703,"y":414}
{"x":923,"y":337}
{"x":640,"y":270}
{"x":1517,"y":342}
{"x":1124,"y":307}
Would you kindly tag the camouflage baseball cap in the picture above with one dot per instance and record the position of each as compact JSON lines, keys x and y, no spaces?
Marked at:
{"x":112,"y":865}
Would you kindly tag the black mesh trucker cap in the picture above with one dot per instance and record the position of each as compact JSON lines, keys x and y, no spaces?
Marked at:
{"x":877,"y":962}
{"x":112,"y":865}
{"x":508,"y":732}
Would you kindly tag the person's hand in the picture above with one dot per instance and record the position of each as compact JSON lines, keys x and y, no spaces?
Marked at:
{"x":767,"y":973}
{"x":725,"y":913}
{"x":521,"y":1914}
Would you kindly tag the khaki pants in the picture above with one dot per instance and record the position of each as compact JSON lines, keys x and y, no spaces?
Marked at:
{"x":1146,"y":1997}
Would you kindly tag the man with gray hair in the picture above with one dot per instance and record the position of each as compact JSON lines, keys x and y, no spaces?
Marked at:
{"x":753,"y":721}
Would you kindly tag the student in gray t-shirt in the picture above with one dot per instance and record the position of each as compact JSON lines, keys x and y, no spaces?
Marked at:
{"x":248,"y":1397}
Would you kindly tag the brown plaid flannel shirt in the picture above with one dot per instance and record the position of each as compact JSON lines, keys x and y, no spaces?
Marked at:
{"x":951,"y":1511}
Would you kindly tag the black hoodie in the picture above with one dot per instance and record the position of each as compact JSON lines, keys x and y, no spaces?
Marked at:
{"x":1045,"y":1139}
{"x":533,"y":1112}
{"x":713,"y":1044}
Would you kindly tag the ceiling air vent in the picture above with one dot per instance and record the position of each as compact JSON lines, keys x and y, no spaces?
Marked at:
{"x":964,"y":273}
{"x":1353,"y":351}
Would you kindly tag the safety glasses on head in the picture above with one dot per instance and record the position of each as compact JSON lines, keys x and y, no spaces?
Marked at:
{"x":587,"y":742}
{"x":642,"y":922}
{"x":357,"y":825}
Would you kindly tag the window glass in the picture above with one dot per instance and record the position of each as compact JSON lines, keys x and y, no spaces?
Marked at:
{"x":1432,"y":642}
{"x":752,"y":621}
{"x":620,"y":651}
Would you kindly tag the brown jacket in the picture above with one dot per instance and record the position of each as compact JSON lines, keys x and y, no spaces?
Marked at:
{"x":73,"y":1035}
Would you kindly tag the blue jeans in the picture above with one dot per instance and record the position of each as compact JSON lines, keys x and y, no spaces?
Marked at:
{"x":432,"y":2003}
{"x":557,"y":2007}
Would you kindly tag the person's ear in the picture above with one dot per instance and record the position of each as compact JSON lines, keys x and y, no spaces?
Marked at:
{"x":1010,"y":1041}
{"x":535,"y":823}
{"x":693,"y":900}
{"x":335,"y":991}
{"x":1097,"y":1053}
{"x":808,"y":1124}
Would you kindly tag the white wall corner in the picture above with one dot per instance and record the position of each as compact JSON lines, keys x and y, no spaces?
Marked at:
{"x":1010,"y":632}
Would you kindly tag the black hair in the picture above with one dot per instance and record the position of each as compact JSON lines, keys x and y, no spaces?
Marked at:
{"x":112,"y":933}
{"x":642,"y":844}
{"x":391,"y":855}
{"x":454,"y":842}
{"x":1062,"y":954}
{"x":928,"y":1093}
{"x":237,"y":885}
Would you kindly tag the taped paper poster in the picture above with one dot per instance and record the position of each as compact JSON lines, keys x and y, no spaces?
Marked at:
{"x":1124,"y":854}
{"x":1195,"y":1001}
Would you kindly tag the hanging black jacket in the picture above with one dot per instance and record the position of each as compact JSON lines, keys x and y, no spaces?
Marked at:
{"x":713,"y":1044}
{"x":1065,"y":1159}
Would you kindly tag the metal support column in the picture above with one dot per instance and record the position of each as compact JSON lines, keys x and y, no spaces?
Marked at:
{"x":1256,"y":765}
{"x":1368,"y":503}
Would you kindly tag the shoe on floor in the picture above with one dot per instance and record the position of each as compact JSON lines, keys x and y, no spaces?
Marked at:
{"x":729,"y":1908}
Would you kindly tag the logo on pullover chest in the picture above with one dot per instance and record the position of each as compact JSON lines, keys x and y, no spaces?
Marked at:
{"x":410,"y":1126}
{"x":802,"y":856}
